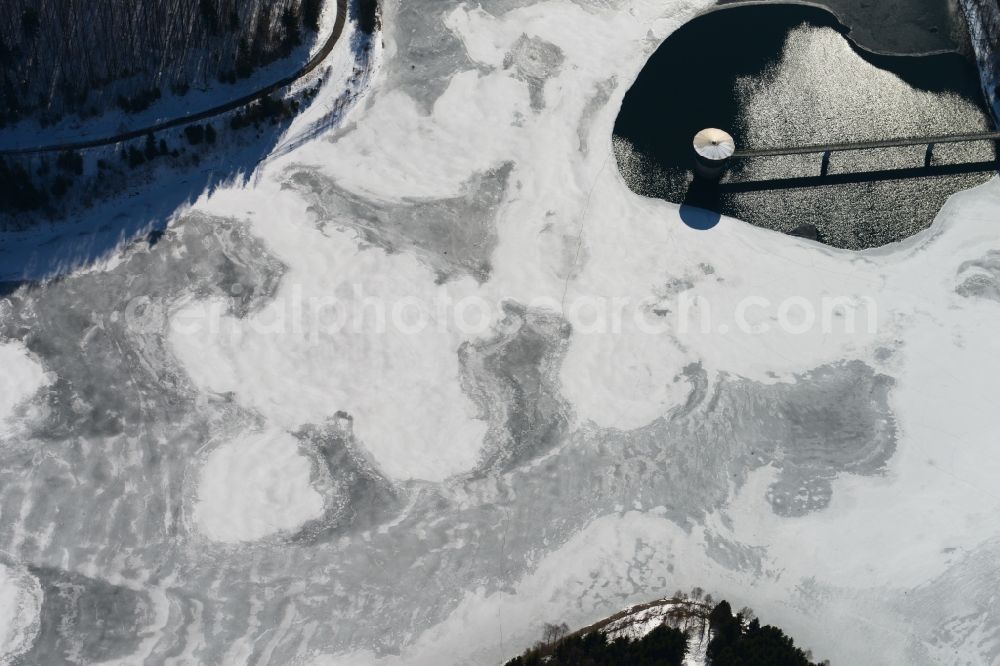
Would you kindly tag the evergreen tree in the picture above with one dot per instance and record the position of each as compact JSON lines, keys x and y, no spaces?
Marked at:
{"x":18,"y":191}
{"x":195,"y":134}
{"x":733,"y":644}
{"x":368,"y":16}
{"x":210,"y":16}
{"x":70,"y":162}
{"x":290,"y":24}
{"x":135,"y":157}
{"x":311,"y":10}
{"x":30,"y":23}
{"x":150,"y":150}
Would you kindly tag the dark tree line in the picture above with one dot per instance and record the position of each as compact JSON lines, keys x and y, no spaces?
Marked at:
{"x":368,"y":15}
{"x":311,"y":10}
{"x":663,"y":646}
{"x":268,"y":109}
{"x":40,"y":183}
{"x":29,"y":184}
{"x":83,"y":56}
{"x":737,"y":640}
{"x":18,"y":192}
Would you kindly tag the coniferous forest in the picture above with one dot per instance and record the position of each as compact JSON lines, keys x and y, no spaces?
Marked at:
{"x":82,"y":57}
{"x":664,"y":646}
{"x":736,"y":641}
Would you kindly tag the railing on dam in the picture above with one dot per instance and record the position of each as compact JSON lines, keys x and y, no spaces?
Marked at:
{"x":929,"y":141}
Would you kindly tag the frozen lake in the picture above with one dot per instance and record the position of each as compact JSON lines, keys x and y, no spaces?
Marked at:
{"x":431,"y":376}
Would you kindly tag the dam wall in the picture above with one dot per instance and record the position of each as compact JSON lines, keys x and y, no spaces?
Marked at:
{"x":983,"y":17}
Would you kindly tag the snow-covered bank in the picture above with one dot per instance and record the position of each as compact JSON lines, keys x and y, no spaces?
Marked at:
{"x":146,"y":199}
{"x":200,"y":92}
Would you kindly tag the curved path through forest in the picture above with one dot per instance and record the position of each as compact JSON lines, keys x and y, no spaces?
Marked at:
{"x":314,"y":62}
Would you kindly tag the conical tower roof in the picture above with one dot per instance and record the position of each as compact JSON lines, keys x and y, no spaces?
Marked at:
{"x":714,"y":144}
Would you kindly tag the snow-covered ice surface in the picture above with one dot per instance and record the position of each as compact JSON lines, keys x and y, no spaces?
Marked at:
{"x":445,"y":481}
{"x":21,"y":378}
{"x":254,"y":487}
{"x":20,"y":604}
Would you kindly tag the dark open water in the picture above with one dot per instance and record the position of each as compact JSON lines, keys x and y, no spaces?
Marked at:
{"x":785,"y":75}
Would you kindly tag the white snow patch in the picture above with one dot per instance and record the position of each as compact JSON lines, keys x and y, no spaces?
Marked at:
{"x":402,"y":389}
{"x":20,"y":377}
{"x":322,"y":346}
{"x":20,"y":606}
{"x":255,"y":487}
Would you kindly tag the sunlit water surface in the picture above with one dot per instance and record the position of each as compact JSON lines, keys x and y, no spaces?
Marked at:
{"x":795,"y":79}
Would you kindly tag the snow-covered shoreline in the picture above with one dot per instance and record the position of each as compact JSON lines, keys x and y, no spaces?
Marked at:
{"x":28,"y":133}
{"x":94,"y":231}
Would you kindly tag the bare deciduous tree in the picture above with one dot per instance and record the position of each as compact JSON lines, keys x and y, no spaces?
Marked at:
{"x":553,"y":632}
